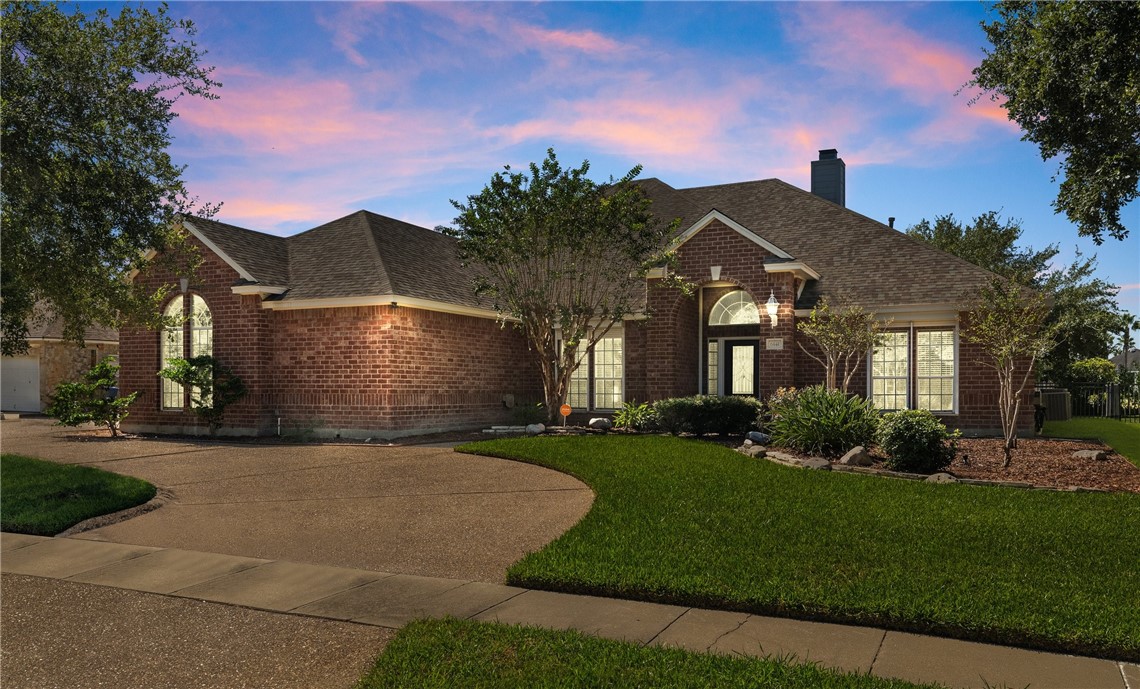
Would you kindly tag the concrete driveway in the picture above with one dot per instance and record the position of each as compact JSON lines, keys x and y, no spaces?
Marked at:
{"x":406,"y":510}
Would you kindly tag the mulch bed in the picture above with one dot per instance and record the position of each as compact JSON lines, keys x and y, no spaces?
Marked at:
{"x":1045,"y":462}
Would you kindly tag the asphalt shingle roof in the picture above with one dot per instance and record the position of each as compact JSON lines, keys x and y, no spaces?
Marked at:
{"x":365,"y":254}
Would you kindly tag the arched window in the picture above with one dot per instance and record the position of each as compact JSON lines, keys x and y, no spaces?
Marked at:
{"x":734,"y":308}
{"x":175,"y":344}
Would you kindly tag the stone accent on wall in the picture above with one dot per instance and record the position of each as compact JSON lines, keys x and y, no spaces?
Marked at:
{"x":62,"y":362}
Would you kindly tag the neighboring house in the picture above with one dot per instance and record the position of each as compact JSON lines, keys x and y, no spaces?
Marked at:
{"x":1133,"y":359}
{"x":27,"y":381}
{"x":369,"y":326}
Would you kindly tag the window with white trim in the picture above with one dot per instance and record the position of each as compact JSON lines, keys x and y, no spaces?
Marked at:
{"x":934,"y":369}
{"x":890,"y":371}
{"x":713,"y":368}
{"x":578,"y":396}
{"x":174,"y":343}
{"x":608,"y":373}
{"x":734,"y":308}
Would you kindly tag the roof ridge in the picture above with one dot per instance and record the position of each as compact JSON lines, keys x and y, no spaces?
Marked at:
{"x":370,"y":237}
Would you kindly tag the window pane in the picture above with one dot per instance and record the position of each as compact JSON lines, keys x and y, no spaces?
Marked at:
{"x":713,"y":368}
{"x":578,"y":395}
{"x":171,"y":347}
{"x":608,"y":373}
{"x":935,"y":369}
{"x":889,"y":371}
{"x":734,"y":308}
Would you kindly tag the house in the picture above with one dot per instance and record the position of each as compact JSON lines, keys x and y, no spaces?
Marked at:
{"x":1127,"y":360}
{"x":368,"y":326}
{"x":27,"y":381}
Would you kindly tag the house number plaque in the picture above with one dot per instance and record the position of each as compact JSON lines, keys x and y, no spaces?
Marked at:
{"x":774,"y":343}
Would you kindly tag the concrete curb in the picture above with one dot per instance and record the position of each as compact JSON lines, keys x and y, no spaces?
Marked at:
{"x":160,"y":498}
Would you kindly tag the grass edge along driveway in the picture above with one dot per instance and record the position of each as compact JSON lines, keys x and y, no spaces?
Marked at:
{"x":692,"y":523}
{"x":44,"y":498}
{"x":455,"y":653}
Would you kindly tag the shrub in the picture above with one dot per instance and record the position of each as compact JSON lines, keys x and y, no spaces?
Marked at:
{"x":638,"y":417}
{"x":1092,"y":372}
{"x":821,"y":422}
{"x":94,"y":399}
{"x":704,"y":414}
{"x":527,"y":414}
{"x":213,"y":387}
{"x":916,"y":441}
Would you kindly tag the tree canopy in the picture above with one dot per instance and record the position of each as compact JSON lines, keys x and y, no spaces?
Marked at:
{"x":1069,"y":74}
{"x":562,"y":256}
{"x":1083,"y":313}
{"x":86,"y":183}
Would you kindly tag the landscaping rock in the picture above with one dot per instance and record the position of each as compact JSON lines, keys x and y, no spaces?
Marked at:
{"x":758,"y":437}
{"x":816,"y":463}
{"x":535,"y":429}
{"x":941,"y":478}
{"x":601,"y":423}
{"x":857,"y":456}
{"x":747,"y":443}
{"x":756,"y":451}
{"x":1098,"y":455}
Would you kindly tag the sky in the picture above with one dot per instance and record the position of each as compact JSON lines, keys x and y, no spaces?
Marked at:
{"x":328,"y":108}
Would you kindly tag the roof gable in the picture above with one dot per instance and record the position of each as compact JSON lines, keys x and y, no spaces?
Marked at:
{"x":715,"y":215}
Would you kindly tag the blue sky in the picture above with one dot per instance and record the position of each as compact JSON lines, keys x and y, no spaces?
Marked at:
{"x":327,"y":108}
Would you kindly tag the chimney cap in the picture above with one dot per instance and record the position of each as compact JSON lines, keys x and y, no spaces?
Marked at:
{"x":828,"y":154}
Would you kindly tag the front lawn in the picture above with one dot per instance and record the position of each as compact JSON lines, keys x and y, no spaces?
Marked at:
{"x":1122,"y":436}
{"x":453,"y":653}
{"x":45,"y":498}
{"x":697,"y":524}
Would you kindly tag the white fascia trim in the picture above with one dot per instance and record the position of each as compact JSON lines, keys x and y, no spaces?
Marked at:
{"x":56,"y":340}
{"x":655,"y":273}
{"x":383,"y":300}
{"x":801,"y":269}
{"x":146,"y":256}
{"x":917,"y":314}
{"x":221,"y":254}
{"x":260,"y":290}
{"x":741,"y":229}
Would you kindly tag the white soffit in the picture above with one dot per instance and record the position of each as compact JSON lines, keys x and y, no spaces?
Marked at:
{"x":748,"y":234}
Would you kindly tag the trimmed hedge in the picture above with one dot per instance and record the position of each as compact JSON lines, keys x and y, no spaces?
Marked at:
{"x":916,"y":441}
{"x":704,"y":414}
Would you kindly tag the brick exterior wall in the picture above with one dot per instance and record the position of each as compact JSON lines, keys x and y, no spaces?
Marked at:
{"x":351,"y":371}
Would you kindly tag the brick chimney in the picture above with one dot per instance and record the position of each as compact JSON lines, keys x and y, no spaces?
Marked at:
{"x":829,"y":177}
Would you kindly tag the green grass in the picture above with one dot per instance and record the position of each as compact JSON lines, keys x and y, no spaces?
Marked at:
{"x":693,"y":523}
{"x":453,"y":653}
{"x":1119,"y":435}
{"x":45,"y":498}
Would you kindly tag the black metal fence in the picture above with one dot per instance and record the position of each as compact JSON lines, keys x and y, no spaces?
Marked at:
{"x":1114,"y":401}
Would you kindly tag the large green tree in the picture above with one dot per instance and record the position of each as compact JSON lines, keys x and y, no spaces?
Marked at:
{"x":1069,"y":75}
{"x":562,"y":257}
{"x":86,"y":183}
{"x":1083,"y":312}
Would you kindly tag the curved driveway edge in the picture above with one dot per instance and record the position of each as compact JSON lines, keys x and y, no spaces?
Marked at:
{"x":411,"y":510}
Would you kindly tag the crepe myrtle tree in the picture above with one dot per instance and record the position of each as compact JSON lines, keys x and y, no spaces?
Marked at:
{"x":561,"y":257}
{"x":845,"y":333}
{"x":1008,"y":323}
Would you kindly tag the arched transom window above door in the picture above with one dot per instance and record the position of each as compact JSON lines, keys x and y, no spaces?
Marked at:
{"x":735,"y":308}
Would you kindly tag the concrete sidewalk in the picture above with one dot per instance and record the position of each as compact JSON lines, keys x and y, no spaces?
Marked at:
{"x":391,"y":600}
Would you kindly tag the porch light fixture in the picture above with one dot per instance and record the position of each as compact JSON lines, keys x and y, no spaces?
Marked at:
{"x":773,"y":307}
{"x":714,"y":271}
{"x":185,"y":283}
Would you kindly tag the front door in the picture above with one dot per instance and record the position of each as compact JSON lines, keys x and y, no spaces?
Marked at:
{"x":742,"y":367}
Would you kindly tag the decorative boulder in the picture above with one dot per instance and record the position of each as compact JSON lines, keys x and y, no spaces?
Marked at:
{"x":747,"y":443}
{"x":756,"y":451}
{"x":758,"y":437}
{"x":857,"y":456}
{"x":941,"y":478}
{"x":601,"y":423}
{"x":535,"y":429}
{"x":816,"y":463}
{"x":1098,"y":455}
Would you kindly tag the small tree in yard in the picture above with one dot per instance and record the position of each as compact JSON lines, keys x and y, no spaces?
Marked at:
{"x":213,"y":387}
{"x":1008,"y":323}
{"x":845,"y":333}
{"x":557,"y":251}
{"x":94,"y":399}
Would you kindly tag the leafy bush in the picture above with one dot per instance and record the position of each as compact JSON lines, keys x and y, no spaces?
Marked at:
{"x":527,"y":414}
{"x":639,"y":417}
{"x":821,"y":422}
{"x":916,"y":441}
{"x":213,"y":387}
{"x":782,"y":396}
{"x":704,"y":414}
{"x":1092,"y":372}
{"x":94,"y":399}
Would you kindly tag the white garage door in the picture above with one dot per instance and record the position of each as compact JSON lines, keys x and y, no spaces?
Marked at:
{"x":20,"y":383}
